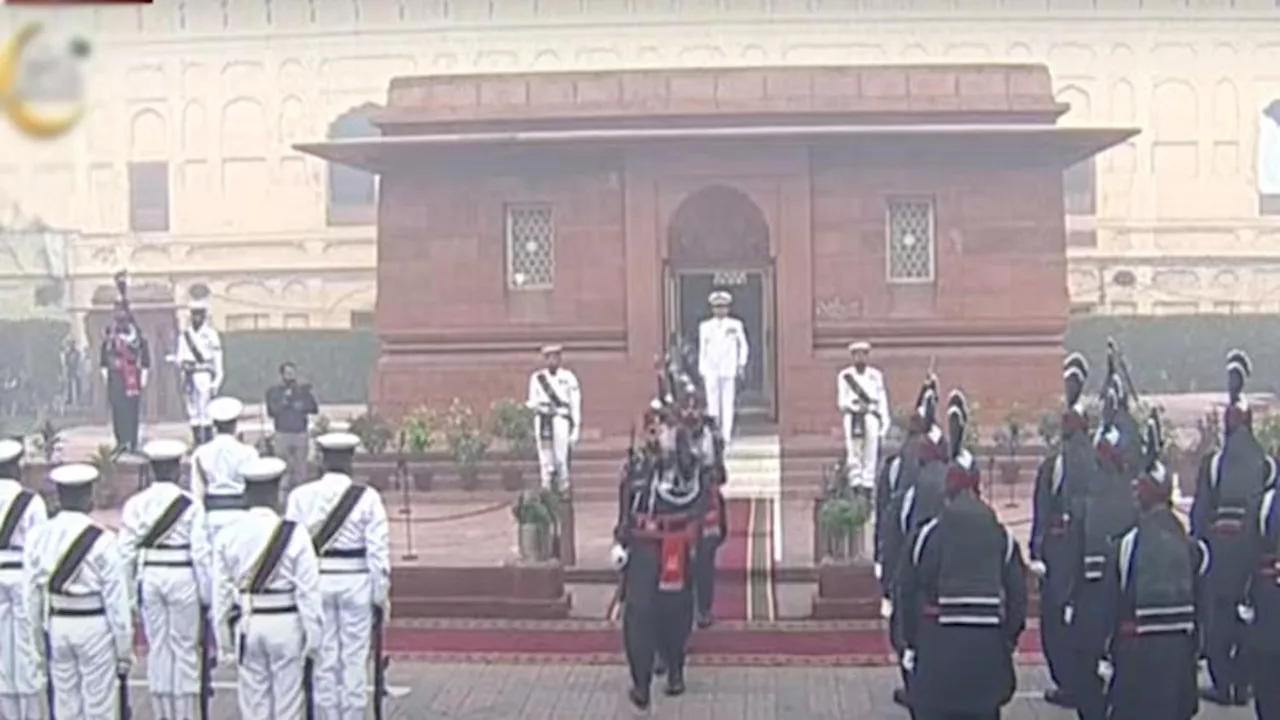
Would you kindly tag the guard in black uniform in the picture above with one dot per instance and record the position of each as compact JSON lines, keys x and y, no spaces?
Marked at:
{"x":898,"y":474}
{"x":1155,"y":577}
{"x":715,"y":526}
{"x":1231,"y":482}
{"x":655,"y":541}
{"x":1061,"y":482}
{"x":964,"y":591}
{"x":922,"y":494}
{"x":1107,"y":512}
{"x":1261,"y":608}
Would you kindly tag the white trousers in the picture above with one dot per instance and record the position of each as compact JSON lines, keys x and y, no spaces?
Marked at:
{"x":216,"y":520}
{"x":722,"y":393}
{"x":269,"y":675}
{"x":342,"y":674}
{"x":171,"y":619}
{"x":553,"y":454}
{"x":20,"y":680}
{"x":82,"y":668}
{"x":199,"y":395}
{"x":862,"y":454}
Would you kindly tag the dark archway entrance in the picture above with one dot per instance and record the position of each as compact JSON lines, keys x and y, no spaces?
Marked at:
{"x":718,"y":239}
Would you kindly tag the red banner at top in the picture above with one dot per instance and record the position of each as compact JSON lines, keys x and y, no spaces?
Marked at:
{"x":76,"y":2}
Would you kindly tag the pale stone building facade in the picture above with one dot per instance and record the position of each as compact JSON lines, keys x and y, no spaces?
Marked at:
{"x":183,"y":169}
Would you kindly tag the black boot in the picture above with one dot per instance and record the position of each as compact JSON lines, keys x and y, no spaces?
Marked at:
{"x":675,"y":683}
{"x":900,"y":697}
{"x":1219,"y":695}
{"x":705,"y":620}
{"x":1059,"y":697}
{"x":659,"y":666}
{"x":639,"y":698}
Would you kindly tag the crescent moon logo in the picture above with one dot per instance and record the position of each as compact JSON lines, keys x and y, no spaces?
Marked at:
{"x":26,"y":119}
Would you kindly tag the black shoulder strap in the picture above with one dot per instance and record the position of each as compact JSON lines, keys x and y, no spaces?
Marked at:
{"x":190,"y":340}
{"x":270,"y":558}
{"x":337,"y":516}
{"x":73,"y":558}
{"x":17,"y":508}
{"x":552,"y":396}
{"x":165,"y":522}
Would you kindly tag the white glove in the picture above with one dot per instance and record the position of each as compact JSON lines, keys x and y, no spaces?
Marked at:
{"x":1038,"y":568}
{"x":1246,"y":614}
{"x":618,"y":556}
{"x":1068,"y":614}
{"x":879,"y":570}
{"x":124,"y":663}
{"x":886,"y":608}
{"x":909,"y":660}
{"x":1106,"y":671}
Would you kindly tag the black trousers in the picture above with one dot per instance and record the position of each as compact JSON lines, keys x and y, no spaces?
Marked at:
{"x":1223,"y":636}
{"x":1088,"y":690}
{"x":1055,"y":641}
{"x":1266,"y":690}
{"x":657,"y":624}
{"x":125,"y":416}
{"x":704,"y":574}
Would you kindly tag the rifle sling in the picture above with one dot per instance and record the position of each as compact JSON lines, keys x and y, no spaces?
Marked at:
{"x":165,"y":522}
{"x":552,"y":395}
{"x":190,"y":342}
{"x":17,"y":508}
{"x":269,"y":560}
{"x":73,"y":558}
{"x":337,"y":516}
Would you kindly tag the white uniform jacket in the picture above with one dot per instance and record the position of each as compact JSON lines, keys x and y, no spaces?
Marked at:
{"x":871,"y":380}
{"x":190,"y":534}
{"x":364,"y":529}
{"x":722,"y":347}
{"x":565,"y":384}
{"x":215,"y":466}
{"x":208,"y":344}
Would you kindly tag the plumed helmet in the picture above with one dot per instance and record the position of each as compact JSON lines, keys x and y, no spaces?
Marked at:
{"x":1238,"y":370}
{"x":962,"y":473}
{"x":1155,"y":484}
{"x":927,"y":403}
{"x":1075,"y":371}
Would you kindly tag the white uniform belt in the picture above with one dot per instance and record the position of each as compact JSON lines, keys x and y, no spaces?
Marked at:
{"x":11,"y":559}
{"x":166,"y":557}
{"x":75,"y":604}
{"x":269,"y":603}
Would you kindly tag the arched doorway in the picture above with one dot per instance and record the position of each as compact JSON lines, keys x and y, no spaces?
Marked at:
{"x":718,"y":239}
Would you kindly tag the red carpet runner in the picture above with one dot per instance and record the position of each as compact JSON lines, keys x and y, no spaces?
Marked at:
{"x":732,"y":562}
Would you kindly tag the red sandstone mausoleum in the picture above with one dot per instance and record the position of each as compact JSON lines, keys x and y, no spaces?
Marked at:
{"x":920,"y":208}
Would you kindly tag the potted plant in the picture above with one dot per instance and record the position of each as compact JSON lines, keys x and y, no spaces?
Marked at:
{"x":843,"y":520}
{"x":375,"y":433}
{"x":47,"y":440}
{"x":104,"y":461}
{"x":1009,"y":442}
{"x":417,"y":431}
{"x":512,"y":423}
{"x":467,"y":443}
{"x":534,"y":520}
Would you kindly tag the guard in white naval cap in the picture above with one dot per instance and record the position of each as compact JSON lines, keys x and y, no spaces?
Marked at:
{"x":77,"y":589}
{"x":199,"y":356}
{"x":215,"y":466}
{"x":347,"y":523}
{"x":165,"y":548}
{"x":267,"y":608}
{"x":722,"y":361}
{"x":863,"y":401}
{"x":556,"y":400}
{"x":21,"y":511}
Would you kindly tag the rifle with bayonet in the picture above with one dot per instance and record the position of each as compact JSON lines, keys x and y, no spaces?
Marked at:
{"x":204,"y":640}
{"x":380,"y":663}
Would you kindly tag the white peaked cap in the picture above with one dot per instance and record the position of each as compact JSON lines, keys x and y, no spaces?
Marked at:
{"x":164,"y":450}
{"x":552,"y":349}
{"x":263,"y":469}
{"x":10,"y":450}
{"x":859,"y":346}
{"x":199,"y":304}
{"x":225,"y":409}
{"x":338,"y":441}
{"x":73,"y":474}
{"x":720,"y":297}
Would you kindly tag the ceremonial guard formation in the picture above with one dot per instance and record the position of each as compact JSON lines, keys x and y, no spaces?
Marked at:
{"x":217,"y":476}
{"x":1260,"y":608}
{"x":555,"y":397}
{"x":723,"y":351}
{"x":863,"y":401}
{"x":1061,"y":483}
{"x":199,"y":358}
{"x":167,"y":556}
{"x":962,"y":598}
{"x":77,"y":596}
{"x":347,"y":524}
{"x":267,"y":606}
{"x":1153,"y":577}
{"x":1231,"y":482}
{"x":21,"y":512}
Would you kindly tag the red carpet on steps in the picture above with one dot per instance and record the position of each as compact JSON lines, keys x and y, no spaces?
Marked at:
{"x":734,"y":555}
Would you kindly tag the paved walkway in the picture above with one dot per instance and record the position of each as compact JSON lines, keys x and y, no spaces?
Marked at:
{"x":569,"y":692}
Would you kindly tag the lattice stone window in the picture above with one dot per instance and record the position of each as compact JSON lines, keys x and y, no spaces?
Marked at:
{"x":909,"y":240}
{"x":531,"y":241}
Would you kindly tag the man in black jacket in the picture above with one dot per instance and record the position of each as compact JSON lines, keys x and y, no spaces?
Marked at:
{"x":291,"y":405}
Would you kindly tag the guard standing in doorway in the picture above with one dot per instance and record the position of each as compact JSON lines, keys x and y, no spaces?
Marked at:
{"x":199,"y":356}
{"x":863,"y":401}
{"x":722,"y":361}
{"x":556,"y":399}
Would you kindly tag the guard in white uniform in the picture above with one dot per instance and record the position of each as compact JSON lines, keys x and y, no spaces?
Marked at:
{"x":165,"y":548}
{"x":347,"y":524}
{"x":199,"y":356}
{"x":20,"y":512}
{"x":863,"y":402}
{"x":722,"y":361}
{"x":267,"y":610}
{"x":78,"y":590}
{"x":556,"y":399}
{"x":215,"y":467}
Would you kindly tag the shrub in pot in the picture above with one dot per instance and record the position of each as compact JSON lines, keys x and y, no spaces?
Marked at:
{"x":105,"y":492}
{"x":417,"y":436}
{"x":467,"y":443}
{"x":375,"y":436}
{"x":512,"y":423}
{"x":534,"y":520}
{"x":843,"y":520}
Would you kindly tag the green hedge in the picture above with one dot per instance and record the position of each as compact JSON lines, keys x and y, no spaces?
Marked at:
{"x":337,"y":362}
